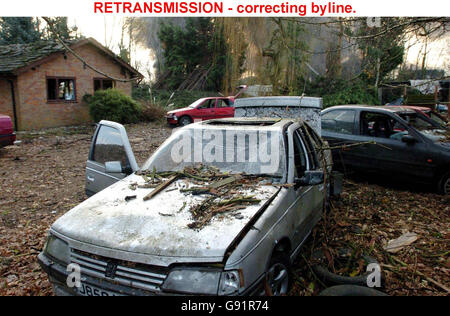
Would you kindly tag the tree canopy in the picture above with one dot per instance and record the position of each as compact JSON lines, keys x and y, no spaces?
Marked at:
{"x":23,"y":30}
{"x":196,"y":52}
{"x":19,"y":30}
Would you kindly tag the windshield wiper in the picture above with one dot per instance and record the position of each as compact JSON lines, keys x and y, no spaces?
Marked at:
{"x":265,"y":175}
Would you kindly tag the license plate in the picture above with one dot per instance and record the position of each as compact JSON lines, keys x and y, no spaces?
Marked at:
{"x":89,"y":290}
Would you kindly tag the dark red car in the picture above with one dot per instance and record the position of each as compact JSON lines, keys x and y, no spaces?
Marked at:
{"x":204,"y":109}
{"x":7,"y":135}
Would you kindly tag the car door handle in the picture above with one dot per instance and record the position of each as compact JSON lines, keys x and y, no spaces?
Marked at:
{"x":92,"y":179}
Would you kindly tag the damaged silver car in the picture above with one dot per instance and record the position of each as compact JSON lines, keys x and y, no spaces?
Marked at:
{"x":221,"y":208}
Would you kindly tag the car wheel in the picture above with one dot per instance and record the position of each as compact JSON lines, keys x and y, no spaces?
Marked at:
{"x":326,"y":276}
{"x":278,"y":276}
{"x":185,"y":120}
{"x":444,"y":184}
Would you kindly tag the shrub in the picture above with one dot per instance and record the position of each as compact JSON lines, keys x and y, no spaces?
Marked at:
{"x":152,"y":112}
{"x":113,"y":105}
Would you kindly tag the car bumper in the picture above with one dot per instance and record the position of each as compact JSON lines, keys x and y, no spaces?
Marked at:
{"x":58,"y":275}
{"x":171,"y":120}
{"x":7,"y":140}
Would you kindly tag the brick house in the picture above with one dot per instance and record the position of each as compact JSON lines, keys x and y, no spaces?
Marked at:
{"x":42,"y":85}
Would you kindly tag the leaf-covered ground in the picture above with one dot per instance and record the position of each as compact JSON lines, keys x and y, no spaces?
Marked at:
{"x":43,"y":178}
{"x":364,"y":219}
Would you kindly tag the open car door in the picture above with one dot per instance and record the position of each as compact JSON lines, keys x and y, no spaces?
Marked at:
{"x":110,"y":157}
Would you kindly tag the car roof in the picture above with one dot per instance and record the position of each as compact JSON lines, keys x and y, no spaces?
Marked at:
{"x":387,"y":108}
{"x":253,"y":123}
{"x":418,"y":108}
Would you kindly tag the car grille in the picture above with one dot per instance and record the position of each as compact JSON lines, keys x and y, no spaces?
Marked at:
{"x":125,"y":273}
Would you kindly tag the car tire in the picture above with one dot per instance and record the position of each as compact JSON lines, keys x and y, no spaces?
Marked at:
{"x":278,"y":275}
{"x":444,"y":184}
{"x":328,"y":277}
{"x":184,"y":120}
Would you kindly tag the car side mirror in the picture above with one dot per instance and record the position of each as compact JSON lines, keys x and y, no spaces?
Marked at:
{"x":311,"y":178}
{"x":408,"y":139}
{"x":113,"y":167}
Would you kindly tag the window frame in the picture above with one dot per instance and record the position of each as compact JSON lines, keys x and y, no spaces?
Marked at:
{"x":101,"y":83}
{"x":62,"y":78}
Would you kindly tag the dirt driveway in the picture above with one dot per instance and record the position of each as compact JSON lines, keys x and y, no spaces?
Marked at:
{"x":43,"y":178}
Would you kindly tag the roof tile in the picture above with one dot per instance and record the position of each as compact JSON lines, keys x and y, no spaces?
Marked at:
{"x":16,"y":56}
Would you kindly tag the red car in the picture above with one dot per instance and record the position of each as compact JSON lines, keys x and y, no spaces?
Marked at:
{"x":204,"y":109}
{"x":7,"y":135}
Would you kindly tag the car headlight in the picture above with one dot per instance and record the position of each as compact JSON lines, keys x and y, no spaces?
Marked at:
{"x":230,"y":282}
{"x":202,"y":281}
{"x":57,"y":249}
{"x":195,"y":281}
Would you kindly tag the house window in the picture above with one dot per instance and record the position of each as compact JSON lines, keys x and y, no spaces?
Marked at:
{"x":61,"y":89}
{"x":103,"y":84}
